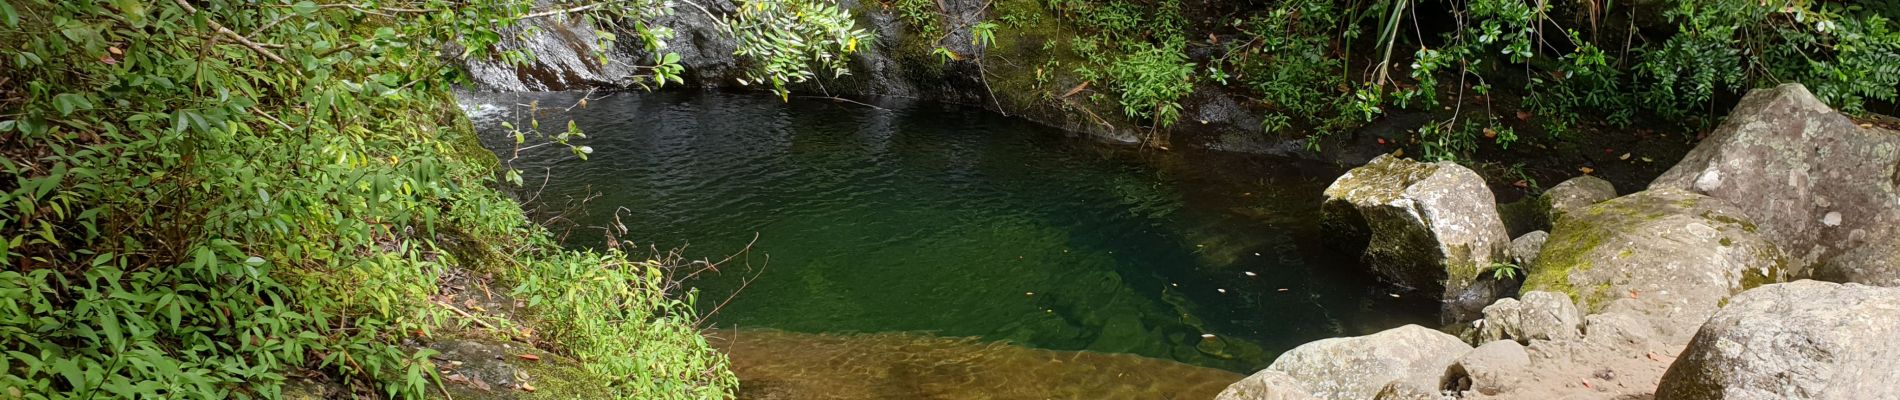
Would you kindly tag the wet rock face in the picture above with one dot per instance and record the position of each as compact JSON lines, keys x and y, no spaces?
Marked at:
{"x":1666,"y":254}
{"x":1359,"y":367}
{"x":1575,"y":194}
{"x":1427,"y":226}
{"x":1819,"y":185}
{"x":1536,"y":316}
{"x":1799,"y":340}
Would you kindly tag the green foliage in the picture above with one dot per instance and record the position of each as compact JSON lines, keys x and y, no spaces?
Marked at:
{"x":1289,"y":63}
{"x":1152,"y":83}
{"x":785,"y":39}
{"x":1506,"y":271}
{"x":203,"y":199}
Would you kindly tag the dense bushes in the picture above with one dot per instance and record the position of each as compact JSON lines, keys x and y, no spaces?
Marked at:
{"x":201,"y":199}
{"x":1327,"y":66}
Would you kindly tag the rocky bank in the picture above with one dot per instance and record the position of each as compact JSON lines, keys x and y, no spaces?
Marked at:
{"x":1707,"y":285}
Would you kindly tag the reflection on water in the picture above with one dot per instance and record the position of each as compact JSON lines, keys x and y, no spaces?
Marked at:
{"x":956,"y":222}
{"x":778,"y":365}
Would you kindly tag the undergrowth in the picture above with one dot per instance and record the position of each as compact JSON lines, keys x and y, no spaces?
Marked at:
{"x":205,"y":197}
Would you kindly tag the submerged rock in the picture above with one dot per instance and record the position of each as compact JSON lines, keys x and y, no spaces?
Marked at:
{"x":1359,"y":367}
{"x":1537,"y":316}
{"x":1426,"y":226}
{"x":777,"y":365}
{"x":1666,"y":254}
{"x":1573,"y":195}
{"x":1819,"y":185}
{"x":1799,"y":340}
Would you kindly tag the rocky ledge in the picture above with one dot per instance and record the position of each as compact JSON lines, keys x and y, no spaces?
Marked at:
{"x":1708,"y":285}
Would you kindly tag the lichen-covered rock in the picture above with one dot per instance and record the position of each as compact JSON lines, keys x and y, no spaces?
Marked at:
{"x":1799,"y":340}
{"x":1575,"y":194}
{"x":1818,"y":184}
{"x":1267,"y":385}
{"x":1358,"y":367}
{"x":1523,"y":250}
{"x":1492,"y":368}
{"x":1663,"y":253}
{"x":1533,"y":316}
{"x":1427,"y":226}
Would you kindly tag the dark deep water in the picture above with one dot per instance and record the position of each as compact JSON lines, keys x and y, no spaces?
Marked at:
{"x":956,"y":222}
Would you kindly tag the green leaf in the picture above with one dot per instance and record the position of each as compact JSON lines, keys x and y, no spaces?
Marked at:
{"x":66,"y":103}
{"x":304,"y":7}
{"x":9,"y":14}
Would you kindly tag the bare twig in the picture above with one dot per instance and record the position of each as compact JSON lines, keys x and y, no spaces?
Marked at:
{"x":465,"y":314}
{"x":234,"y":35}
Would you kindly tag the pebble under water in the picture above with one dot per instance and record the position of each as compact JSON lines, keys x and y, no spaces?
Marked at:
{"x":953,"y":222}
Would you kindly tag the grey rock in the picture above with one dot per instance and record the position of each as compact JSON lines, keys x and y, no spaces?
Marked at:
{"x":1799,"y":340}
{"x":1818,"y":184}
{"x":1359,"y":367}
{"x":1490,"y":369}
{"x":1427,"y":226}
{"x":1523,"y":250}
{"x":1535,"y":315}
{"x":1663,"y":253}
{"x":1873,"y":264}
{"x":1267,"y":385}
{"x":1411,"y":390}
{"x":1575,"y":194}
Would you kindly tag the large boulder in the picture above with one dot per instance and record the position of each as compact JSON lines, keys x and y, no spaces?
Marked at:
{"x":1666,"y":254}
{"x":1799,"y":340}
{"x":1358,"y":367}
{"x":1492,"y":368}
{"x":1535,"y":316}
{"x":1426,"y":226}
{"x":1573,"y":195}
{"x":1874,"y":264}
{"x":1267,"y":385}
{"x":1818,"y":184}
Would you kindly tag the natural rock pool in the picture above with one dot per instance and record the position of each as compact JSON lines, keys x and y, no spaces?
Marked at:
{"x":953,"y":221}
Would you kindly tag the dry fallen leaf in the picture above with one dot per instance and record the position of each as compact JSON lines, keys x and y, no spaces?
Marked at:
{"x":1523,"y":115}
{"x":1076,"y":89}
{"x":1490,"y":133}
{"x":529,"y":357}
{"x":1625,"y":156}
{"x":1521,"y":184}
{"x":1586,"y":170}
{"x":1400,"y":153}
{"x":527,"y":387}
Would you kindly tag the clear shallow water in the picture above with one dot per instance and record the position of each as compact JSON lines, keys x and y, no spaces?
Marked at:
{"x":956,"y":222}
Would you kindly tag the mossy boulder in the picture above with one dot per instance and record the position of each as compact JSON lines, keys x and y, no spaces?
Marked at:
{"x":1427,"y":226}
{"x":1574,"y":194}
{"x":1819,"y":184}
{"x":1663,"y":253}
{"x":1799,"y":340}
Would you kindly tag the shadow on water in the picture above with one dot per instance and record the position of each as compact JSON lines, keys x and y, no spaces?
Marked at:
{"x":955,"y":222}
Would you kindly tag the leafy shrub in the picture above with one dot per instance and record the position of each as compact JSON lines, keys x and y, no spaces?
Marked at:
{"x":1152,"y":83}
{"x":785,"y":39}
{"x":202,"y":199}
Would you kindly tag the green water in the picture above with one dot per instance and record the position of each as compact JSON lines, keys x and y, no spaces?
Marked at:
{"x":953,"y":221}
